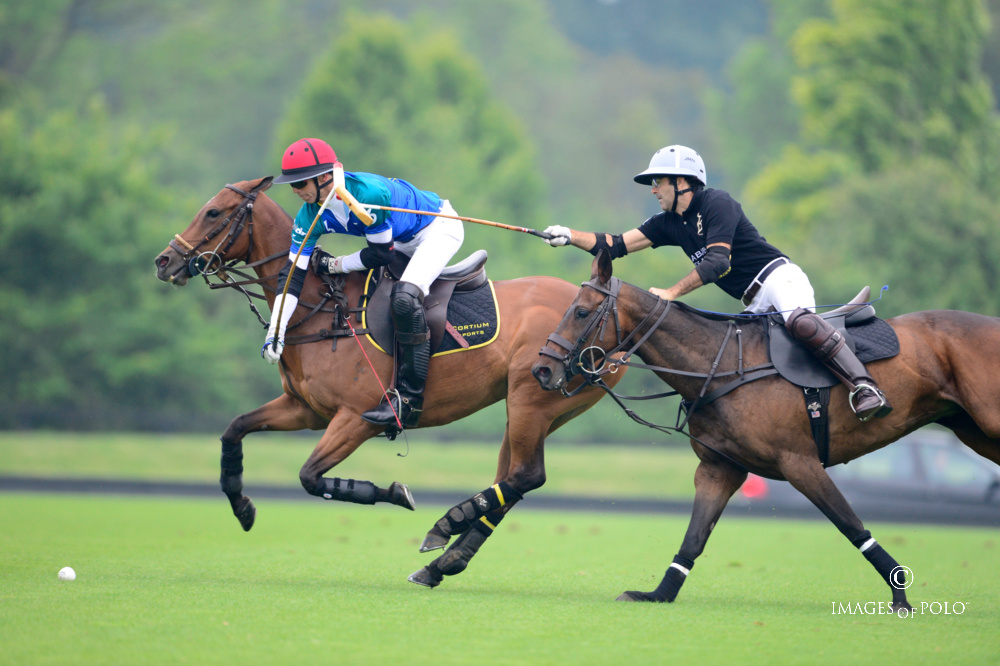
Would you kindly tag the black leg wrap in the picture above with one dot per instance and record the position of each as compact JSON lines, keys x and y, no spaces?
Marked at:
{"x":231,"y":478}
{"x":462,"y":516}
{"x":886,"y":565}
{"x":347,"y":490}
{"x":668,"y":588}
{"x":456,"y":558}
{"x":675,"y":576}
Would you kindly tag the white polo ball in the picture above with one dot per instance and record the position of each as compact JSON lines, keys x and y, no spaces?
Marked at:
{"x":67,"y":573}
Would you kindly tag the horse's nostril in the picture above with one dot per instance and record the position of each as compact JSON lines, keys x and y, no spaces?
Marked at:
{"x":162,"y":261}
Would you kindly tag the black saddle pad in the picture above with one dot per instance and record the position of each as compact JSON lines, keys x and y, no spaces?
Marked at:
{"x":872,"y":340}
{"x":473,"y":315}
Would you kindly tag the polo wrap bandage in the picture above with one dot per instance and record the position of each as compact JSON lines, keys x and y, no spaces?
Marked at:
{"x":673,"y":579}
{"x":347,"y":490}
{"x":462,"y":516}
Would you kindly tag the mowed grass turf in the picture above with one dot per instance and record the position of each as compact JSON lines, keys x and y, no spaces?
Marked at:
{"x":176,"y":581}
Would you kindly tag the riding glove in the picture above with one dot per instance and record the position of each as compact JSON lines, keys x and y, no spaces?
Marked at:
{"x":560,"y":235}
{"x":330,"y":265}
{"x":274,"y":330}
{"x":269,"y":353}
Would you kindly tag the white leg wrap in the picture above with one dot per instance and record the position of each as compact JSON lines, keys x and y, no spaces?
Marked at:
{"x":867,"y":544}
{"x":674,"y":565}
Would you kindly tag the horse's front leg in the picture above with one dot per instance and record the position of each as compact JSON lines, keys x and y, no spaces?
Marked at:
{"x":345,"y":433}
{"x":714,"y":482}
{"x":283,"y":413}
{"x":520,"y":468}
{"x":806,"y":474}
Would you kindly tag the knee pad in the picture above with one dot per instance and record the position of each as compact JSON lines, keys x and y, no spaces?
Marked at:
{"x":408,"y":308}
{"x":815,"y":333}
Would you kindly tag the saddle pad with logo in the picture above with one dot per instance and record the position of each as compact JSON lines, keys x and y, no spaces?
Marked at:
{"x":872,"y":340}
{"x":472,"y":315}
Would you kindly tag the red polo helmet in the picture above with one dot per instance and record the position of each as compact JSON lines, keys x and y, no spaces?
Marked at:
{"x":304,"y":159}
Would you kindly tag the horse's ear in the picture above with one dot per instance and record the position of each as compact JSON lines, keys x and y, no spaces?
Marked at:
{"x":601,"y":267}
{"x":264,"y":184}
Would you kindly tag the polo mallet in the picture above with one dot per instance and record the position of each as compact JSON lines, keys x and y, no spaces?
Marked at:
{"x":474,"y":220}
{"x":338,"y":173}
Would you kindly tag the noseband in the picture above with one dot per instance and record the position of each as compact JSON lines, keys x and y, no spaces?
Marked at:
{"x":586,"y":357}
{"x":209,"y":261}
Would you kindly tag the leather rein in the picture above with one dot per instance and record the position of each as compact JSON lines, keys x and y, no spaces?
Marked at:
{"x":212,"y":262}
{"x":592,"y":362}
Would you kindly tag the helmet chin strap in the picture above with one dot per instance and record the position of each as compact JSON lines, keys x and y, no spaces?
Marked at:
{"x":320,"y":187}
{"x":678,"y":193}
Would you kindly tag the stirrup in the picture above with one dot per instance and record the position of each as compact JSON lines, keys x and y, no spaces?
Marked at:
{"x":883,"y":402}
{"x":395,"y":403}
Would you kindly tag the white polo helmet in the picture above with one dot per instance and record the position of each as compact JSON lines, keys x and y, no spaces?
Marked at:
{"x":674,"y":161}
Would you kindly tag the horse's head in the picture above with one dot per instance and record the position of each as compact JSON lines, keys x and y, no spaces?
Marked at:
{"x":215,"y":236}
{"x":580,"y":342}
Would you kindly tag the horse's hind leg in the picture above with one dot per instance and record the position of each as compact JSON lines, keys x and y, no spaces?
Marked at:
{"x":345,"y":433}
{"x":809,"y":478}
{"x":966,"y":429}
{"x":714,"y":482}
{"x":283,"y":413}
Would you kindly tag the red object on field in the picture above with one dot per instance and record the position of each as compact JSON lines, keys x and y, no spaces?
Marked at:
{"x":754,"y":487}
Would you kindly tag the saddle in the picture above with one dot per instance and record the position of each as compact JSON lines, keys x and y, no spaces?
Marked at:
{"x":466,"y":279}
{"x":869,"y":337}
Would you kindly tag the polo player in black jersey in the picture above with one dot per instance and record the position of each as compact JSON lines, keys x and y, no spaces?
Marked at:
{"x":710,"y":226}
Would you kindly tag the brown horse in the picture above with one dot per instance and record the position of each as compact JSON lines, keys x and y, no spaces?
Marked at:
{"x":328,"y":390}
{"x":945,"y":372}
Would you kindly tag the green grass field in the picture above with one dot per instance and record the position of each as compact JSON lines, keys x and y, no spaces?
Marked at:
{"x":176,"y":581}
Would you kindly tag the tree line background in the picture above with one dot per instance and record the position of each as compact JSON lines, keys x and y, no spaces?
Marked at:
{"x":861,"y":136}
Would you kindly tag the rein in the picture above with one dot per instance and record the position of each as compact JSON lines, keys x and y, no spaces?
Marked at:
{"x":593,"y":368}
{"x":212,"y":262}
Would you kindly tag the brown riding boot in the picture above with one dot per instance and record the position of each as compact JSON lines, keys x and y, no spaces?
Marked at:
{"x":830,"y":347}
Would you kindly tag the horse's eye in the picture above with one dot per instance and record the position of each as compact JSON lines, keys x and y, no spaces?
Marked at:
{"x":212,"y":214}
{"x":582,"y":313}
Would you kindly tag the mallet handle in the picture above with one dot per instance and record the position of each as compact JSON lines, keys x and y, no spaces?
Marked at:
{"x":474,"y":220}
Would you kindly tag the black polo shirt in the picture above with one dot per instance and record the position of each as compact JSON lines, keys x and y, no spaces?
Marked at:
{"x":715,"y":217}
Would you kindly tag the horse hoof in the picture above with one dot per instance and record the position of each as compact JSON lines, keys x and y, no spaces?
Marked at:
{"x":245,"y":513}
{"x":433,"y":542}
{"x":901,"y":605}
{"x":424,"y":577}
{"x":400,"y":495}
{"x":633,"y":596}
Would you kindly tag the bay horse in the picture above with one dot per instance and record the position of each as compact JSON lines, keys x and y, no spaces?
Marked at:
{"x":328,"y":390}
{"x":945,"y":372}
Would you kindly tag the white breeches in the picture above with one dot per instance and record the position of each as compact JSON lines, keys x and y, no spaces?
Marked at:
{"x":432,"y":248}
{"x":786,"y":288}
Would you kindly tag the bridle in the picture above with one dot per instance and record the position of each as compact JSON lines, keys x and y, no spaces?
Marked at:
{"x":214,"y":262}
{"x":210,"y":261}
{"x":587,"y":359}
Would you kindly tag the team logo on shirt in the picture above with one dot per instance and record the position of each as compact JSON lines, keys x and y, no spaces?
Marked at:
{"x":700,"y":231}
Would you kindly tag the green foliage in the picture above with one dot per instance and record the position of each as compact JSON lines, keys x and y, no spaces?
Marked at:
{"x":888,"y":82}
{"x":893,"y":177}
{"x":921,"y":229}
{"x":85,"y":328}
{"x":420,"y":109}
